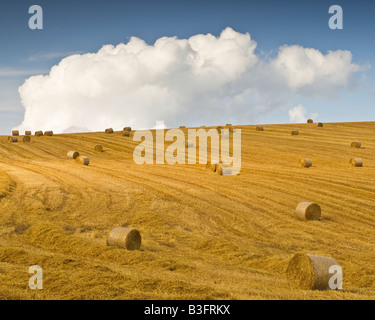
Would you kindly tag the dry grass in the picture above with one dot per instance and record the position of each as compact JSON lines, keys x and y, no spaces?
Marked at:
{"x":203,"y":236}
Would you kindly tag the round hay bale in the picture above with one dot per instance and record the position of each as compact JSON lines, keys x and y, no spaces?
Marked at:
{"x":127,"y":129}
{"x":308,"y":211}
{"x":98,"y":148}
{"x":26,"y":139}
{"x":72,"y":154}
{"x":228,"y":125}
{"x":320,"y":124}
{"x":38,"y":133}
{"x":355,"y":144}
{"x":12,"y":139}
{"x":15,"y":133}
{"x":48,"y":133}
{"x":182,"y":127}
{"x":126,"y":133}
{"x":109,"y":130}
{"x":305,"y":163}
{"x":83,"y":160}
{"x":259,"y":128}
{"x":189,"y":144}
{"x":310,"y":272}
{"x":126,"y":238}
{"x":27,"y":133}
{"x":295,"y":133}
{"x":224,"y":170}
{"x":310,"y":121}
{"x":356,"y":162}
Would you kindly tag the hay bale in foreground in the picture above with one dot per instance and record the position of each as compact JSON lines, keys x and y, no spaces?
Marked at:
{"x":83,"y":160}
{"x":305,"y":162}
{"x":189,"y":144}
{"x":295,"y":133}
{"x":308,"y":211}
{"x":310,"y":272}
{"x":355,"y":144}
{"x":15,"y":133}
{"x":127,"y":129}
{"x":126,"y":133}
{"x":12,"y":139}
{"x":320,"y":124}
{"x":356,"y":162}
{"x":39,"y":133}
{"x":310,"y":121}
{"x":224,"y":170}
{"x":72,"y":154}
{"x":26,"y":139}
{"x":98,"y":148}
{"x":259,"y":128}
{"x":109,"y":130}
{"x":48,"y":133}
{"x":27,"y":133}
{"x":126,"y":238}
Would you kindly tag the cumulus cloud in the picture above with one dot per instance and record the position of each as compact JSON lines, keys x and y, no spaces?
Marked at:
{"x":298,"y":114}
{"x":200,"y":80}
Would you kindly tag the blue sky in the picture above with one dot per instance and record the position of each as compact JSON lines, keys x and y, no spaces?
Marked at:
{"x":85,"y":26}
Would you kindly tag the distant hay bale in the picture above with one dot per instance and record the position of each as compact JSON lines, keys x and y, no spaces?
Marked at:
{"x":109,"y":130}
{"x":38,"y":133}
{"x":12,"y":139}
{"x":310,"y":121}
{"x":27,"y":133}
{"x":356,"y":162}
{"x":72,"y":154}
{"x":15,"y":133}
{"x":126,"y":238}
{"x":126,"y":133}
{"x":355,"y":144}
{"x":228,"y":125}
{"x":295,"y":133}
{"x":48,"y":133}
{"x":320,"y":124}
{"x":26,"y":139}
{"x":189,"y":144}
{"x":98,"y":148}
{"x":182,"y":127}
{"x":83,"y":160}
{"x":308,"y":211}
{"x":305,"y":162}
{"x":310,"y":272}
{"x":259,"y":128}
{"x":127,"y":129}
{"x":223,"y":170}
{"x":212,"y":165}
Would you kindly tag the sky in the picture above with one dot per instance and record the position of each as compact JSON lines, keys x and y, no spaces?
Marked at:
{"x":185,"y":63}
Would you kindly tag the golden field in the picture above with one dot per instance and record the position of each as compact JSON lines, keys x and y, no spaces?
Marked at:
{"x":204,"y":236}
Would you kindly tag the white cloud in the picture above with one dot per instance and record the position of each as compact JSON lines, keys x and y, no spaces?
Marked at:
{"x":200,"y":80}
{"x":298,"y":114}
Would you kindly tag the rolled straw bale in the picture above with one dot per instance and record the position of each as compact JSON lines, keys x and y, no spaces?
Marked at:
{"x":308,"y":211}
{"x":126,"y":238}
{"x":12,"y":139}
{"x":310,"y":121}
{"x":83,"y":160}
{"x":72,"y":154}
{"x":320,"y":124}
{"x":182,"y":127}
{"x":310,"y":272}
{"x":27,"y":133}
{"x":355,"y":144}
{"x":98,"y":148}
{"x":189,"y":144}
{"x":15,"y":133}
{"x":109,"y":130}
{"x":259,"y":128}
{"x":305,"y":162}
{"x":48,"y":133}
{"x":228,"y":125}
{"x":212,"y":165}
{"x":223,"y":170}
{"x":127,"y":129}
{"x":38,"y":133}
{"x":295,"y":133}
{"x":356,"y":162}
{"x":126,"y":133}
{"x":26,"y":139}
